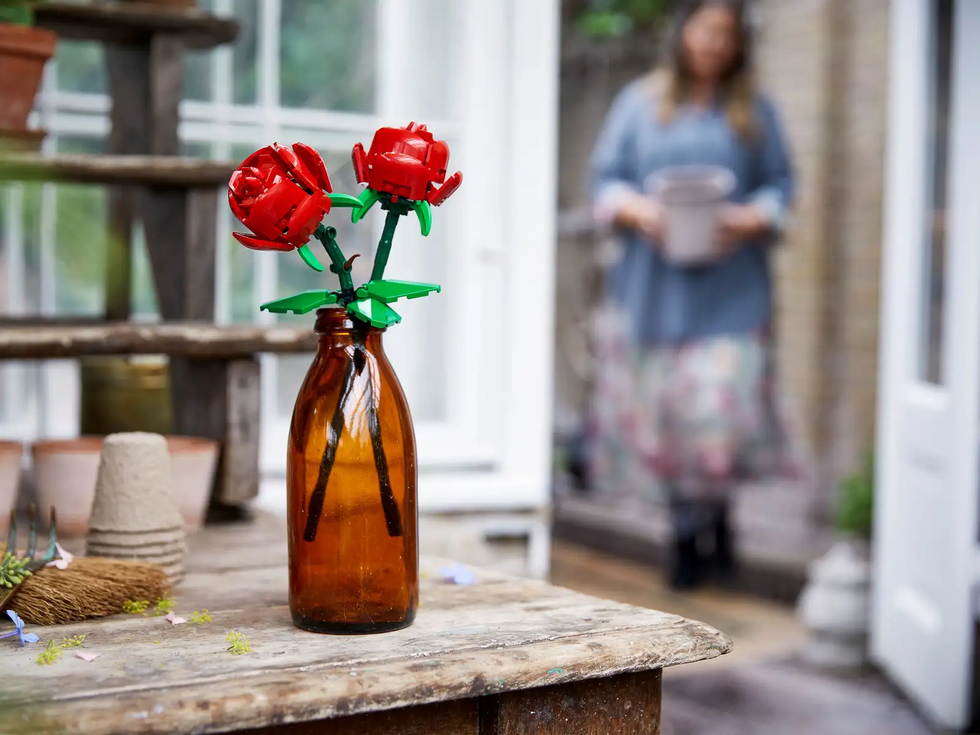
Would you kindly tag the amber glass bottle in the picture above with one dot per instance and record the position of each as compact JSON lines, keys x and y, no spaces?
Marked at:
{"x":352,"y":506}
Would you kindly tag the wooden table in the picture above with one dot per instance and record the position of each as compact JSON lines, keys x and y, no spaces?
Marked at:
{"x":504,"y":656}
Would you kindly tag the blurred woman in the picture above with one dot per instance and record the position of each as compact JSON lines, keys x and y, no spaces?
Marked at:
{"x":687,"y":405}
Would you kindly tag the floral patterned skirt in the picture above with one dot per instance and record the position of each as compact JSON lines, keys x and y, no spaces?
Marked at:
{"x":684,"y":422}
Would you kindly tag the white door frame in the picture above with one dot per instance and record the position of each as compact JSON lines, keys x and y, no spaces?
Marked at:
{"x":921,"y":423}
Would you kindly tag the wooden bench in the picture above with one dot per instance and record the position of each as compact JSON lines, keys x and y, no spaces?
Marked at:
{"x":504,"y":656}
{"x":144,"y":51}
{"x":214,"y":375}
{"x":215,"y":394}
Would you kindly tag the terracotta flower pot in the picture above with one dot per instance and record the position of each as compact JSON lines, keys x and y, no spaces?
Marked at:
{"x":193,"y":461}
{"x":64,"y":474}
{"x":23,"y":53}
{"x":11,"y":454}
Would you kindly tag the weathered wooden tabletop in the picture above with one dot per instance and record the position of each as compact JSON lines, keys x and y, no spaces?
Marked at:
{"x":503,"y":655}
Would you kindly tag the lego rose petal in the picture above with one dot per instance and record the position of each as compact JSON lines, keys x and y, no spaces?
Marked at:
{"x":314,"y":164}
{"x":254,"y":243}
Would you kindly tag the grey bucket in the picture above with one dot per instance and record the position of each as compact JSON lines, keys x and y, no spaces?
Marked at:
{"x":691,"y":197}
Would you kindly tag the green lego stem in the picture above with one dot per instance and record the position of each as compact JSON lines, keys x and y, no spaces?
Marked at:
{"x":384,"y":245}
{"x":339,"y":264}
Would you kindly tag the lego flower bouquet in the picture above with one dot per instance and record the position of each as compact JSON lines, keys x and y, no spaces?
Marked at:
{"x":351,"y":468}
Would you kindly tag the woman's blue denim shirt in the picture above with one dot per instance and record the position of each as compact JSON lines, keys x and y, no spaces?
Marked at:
{"x":670,"y":304}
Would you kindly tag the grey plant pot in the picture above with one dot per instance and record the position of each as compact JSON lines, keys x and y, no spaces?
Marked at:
{"x":691,"y":197}
{"x":835,"y":606}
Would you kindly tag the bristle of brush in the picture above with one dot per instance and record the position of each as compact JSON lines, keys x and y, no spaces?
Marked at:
{"x":91,"y":587}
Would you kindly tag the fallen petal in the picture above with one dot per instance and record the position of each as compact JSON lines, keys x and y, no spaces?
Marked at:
{"x":86,"y":656}
{"x":64,"y":560}
{"x":29,"y":638}
{"x":173,"y":619}
{"x":458,"y":574}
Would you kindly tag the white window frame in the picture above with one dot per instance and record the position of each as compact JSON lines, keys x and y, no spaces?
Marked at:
{"x":492,"y":450}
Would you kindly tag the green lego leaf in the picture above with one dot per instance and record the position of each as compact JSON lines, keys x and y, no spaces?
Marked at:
{"x":309,"y":258}
{"x":344,"y":200}
{"x":391,"y":291}
{"x":301,"y":303}
{"x":424,"y":210}
{"x":367,"y":199}
{"x":376,"y":313}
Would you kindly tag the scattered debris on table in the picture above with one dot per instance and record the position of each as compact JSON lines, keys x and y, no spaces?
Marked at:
{"x":50,"y":655}
{"x":173,"y":619}
{"x":239,"y":643}
{"x":18,"y":630}
{"x":457,"y":574}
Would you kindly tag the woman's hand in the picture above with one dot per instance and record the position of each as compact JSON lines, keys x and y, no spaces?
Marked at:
{"x":738,"y":223}
{"x":645,"y":216}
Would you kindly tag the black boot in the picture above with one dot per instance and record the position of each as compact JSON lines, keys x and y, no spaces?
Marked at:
{"x":722,"y":560}
{"x":686,"y":568}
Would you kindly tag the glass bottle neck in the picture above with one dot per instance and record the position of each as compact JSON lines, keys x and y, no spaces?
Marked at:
{"x":336,"y":328}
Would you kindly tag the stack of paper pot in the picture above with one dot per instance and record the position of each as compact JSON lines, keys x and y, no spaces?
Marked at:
{"x":134,"y":514}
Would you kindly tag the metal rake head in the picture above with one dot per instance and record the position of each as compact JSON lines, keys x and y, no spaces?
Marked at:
{"x":14,"y":568}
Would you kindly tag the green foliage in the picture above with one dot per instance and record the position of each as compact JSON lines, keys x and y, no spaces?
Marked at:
{"x":239,"y":643}
{"x":19,"y":13}
{"x":200,"y":618}
{"x":50,"y":654}
{"x":856,"y":509}
{"x":76,"y":641}
{"x":13,"y":570}
{"x":164,"y":606}
{"x":135,"y":607}
{"x":619,"y":18}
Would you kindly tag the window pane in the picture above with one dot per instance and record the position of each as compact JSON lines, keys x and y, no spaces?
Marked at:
{"x":327,"y":53}
{"x":81,"y":239}
{"x":195,"y":149}
{"x":931,"y":345}
{"x":436,"y":28}
{"x":197,"y":75}
{"x":80,"y":67}
{"x":241,"y":261}
{"x":144,"y":300}
{"x":245,"y":69}
{"x":198,"y":66}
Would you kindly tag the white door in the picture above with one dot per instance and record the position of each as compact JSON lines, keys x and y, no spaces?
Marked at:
{"x":926,"y":524}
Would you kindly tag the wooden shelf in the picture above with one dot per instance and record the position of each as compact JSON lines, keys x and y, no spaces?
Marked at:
{"x":128,"y":23}
{"x":173,"y":171}
{"x":183,"y":339}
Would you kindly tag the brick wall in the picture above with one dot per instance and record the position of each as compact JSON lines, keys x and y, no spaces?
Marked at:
{"x":825,"y":63}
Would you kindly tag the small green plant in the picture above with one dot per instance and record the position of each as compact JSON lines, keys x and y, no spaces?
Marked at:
{"x":13,"y":570}
{"x":135,"y":607}
{"x":18,"y":13}
{"x":239,"y":643}
{"x":200,"y":618}
{"x":50,"y":654}
{"x":619,"y":18}
{"x":76,"y":641}
{"x":164,"y":606}
{"x":855,"y":512}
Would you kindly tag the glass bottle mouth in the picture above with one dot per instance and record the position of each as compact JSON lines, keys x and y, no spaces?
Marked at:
{"x":335,"y":320}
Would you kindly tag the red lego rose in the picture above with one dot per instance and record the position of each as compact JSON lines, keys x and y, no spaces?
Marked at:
{"x":281,"y":195}
{"x":407,"y":163}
